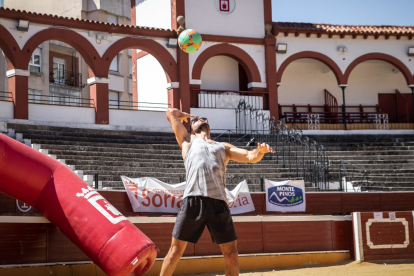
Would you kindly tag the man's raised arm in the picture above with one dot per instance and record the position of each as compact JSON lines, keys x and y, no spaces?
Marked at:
{"x":245,"y":156}
{"x":176,"y":119}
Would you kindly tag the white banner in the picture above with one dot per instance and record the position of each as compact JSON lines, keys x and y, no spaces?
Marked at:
{"x":151,"y":195}
{"x":285,"y":196}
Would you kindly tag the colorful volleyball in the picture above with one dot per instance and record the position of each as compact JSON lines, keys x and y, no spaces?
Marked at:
{"x":189,"y":41}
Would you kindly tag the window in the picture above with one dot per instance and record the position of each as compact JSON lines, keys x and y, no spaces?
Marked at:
{"x":35,"y":96}
{"x":114,"y":100}
{"x":114,"y":64}
{"x":1,"y":3}
{"x":34,"y":63}
{"x":59,"y":70}
{"x":65,"y":98}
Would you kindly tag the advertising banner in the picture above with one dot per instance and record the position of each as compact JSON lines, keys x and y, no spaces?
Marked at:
{"x":285,"y":196}
{"x":149,"y":194}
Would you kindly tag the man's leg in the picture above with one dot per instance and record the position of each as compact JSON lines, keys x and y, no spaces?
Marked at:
{"x":173,"y":256}
{"x":231,"y":258}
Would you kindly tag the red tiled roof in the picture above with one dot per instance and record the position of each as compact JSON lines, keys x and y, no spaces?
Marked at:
{"x":365,"y":30}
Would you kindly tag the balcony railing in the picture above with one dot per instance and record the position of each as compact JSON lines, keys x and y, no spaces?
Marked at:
{"x":67,"y":78}
{"x":353,"y":114}
{"x":61,"y":100}
{"x":128,"y":105}
{"x":6,"y":96}
{"x":205,"y":98}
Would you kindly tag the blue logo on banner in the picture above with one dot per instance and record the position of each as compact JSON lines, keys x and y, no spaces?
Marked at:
{"x":285,"y":195}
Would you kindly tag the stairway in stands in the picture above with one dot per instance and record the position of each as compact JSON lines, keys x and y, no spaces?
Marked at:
{"x":389,"y":159}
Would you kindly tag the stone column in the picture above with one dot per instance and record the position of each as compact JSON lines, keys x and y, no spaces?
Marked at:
{"x":99,"y":93}
{"x":18,"y":81}
{"x":271,"y":75}
{"x":184,"y":77}
{"x":173,"y":89}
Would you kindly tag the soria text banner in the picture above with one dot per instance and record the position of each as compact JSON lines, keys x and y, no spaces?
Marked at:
{"x":149,"y":194}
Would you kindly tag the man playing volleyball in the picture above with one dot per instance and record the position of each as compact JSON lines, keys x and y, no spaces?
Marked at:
{"x":204,"y":201}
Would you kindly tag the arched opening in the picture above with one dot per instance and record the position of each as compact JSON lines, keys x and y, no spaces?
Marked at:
{"x":383,"y":86}
{"x":225,"y":74}
{"x":223,"y":82}
{"x":308,"y":86}
{"x":152,"y":73}
{"x":58,"y":61}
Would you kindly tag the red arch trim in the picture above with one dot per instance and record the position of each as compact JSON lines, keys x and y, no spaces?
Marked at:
{"x":77,"y":41}
{"x":313,"y":55}
{"x":152,"y":47}
{"x":10,"y":48}
{"x":248,"y":64}
{"x":384,"y":57}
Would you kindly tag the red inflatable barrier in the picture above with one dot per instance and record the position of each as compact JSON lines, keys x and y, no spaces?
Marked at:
{"x":80,"y":212}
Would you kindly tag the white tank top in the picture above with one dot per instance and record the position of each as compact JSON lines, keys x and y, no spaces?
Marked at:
{"x":205,"y":165}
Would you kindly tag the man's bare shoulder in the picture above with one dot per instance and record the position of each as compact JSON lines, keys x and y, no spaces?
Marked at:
{"x":227,"y":145}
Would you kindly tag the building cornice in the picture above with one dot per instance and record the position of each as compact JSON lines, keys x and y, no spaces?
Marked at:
{"x":364,"y":31}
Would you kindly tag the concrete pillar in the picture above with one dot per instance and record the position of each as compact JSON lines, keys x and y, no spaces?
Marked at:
{"x":99,"y":93}
{"x":271,"y":76}
{"x":3,"y":69}
{"x":173,"y":95}
{"x":45,"y":67}
{"x":184,"y":77}
{"x":18,"y":81}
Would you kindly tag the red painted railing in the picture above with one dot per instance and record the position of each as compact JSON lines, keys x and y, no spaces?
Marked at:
{"x":354,"y":114}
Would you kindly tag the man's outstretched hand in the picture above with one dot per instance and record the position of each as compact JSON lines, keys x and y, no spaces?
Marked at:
{"x":264,"y":148}
{"x":182,"y":116}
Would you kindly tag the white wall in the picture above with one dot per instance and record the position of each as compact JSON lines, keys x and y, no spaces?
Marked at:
{"x":144,"y":120}
{"x":220,"y":120}
{"x":372,"y":77}
{"x":220,"y":72}
{"x":151,"y":81}
{"x":61,"y":114}
{"x":356,"y":48}
{"x":153,"y":13}
{"x":304,"y":81}
{"x":247,"y":19}
{"x":256,"y":52}
{"x":6,"y":110}
{"x":116,"y":83}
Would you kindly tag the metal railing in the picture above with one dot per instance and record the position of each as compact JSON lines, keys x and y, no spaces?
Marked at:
{"x":61,"y":100}
{"x":67,"y":78}
{"x":303,"y":157}
{"x":351,"y":177}
{"x":6,"y":96}
{"x":128,"y":105}
{"x":331,"y":118}
{"x":205,"y":98}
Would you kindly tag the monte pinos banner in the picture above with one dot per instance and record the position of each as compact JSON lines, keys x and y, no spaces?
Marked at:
{"x":285,"y":196}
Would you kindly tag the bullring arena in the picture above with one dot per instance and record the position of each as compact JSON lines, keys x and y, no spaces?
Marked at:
{"x":84,"y":90}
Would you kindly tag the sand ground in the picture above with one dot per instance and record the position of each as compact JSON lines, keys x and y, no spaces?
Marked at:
{"x":351,"y":268}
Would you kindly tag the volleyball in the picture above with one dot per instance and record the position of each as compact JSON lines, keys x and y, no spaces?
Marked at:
{"x":189,"y":41}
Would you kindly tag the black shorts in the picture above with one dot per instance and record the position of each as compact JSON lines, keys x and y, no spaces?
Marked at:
{"x":197,"y":212}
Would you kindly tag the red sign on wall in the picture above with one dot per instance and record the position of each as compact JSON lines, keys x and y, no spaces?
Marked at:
{"x":225,"y":6}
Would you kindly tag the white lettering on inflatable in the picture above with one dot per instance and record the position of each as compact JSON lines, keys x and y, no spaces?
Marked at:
{"x":102,"y":205}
